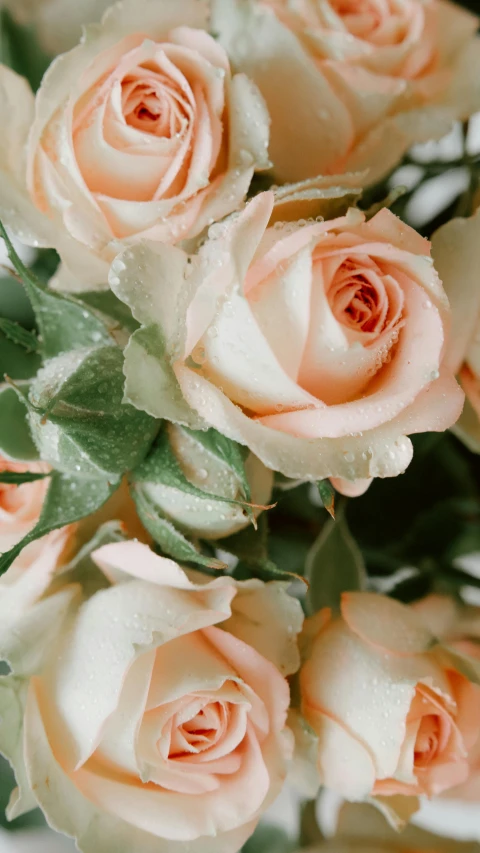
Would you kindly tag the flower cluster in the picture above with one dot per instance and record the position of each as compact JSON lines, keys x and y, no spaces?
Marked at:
{"x":226,"y":324}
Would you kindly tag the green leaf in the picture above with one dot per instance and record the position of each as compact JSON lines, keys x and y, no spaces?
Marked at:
{"x":327,"y":496}
{"x":162,"y":468}
{"x":63,"y":322}
{"x":20,"y":49}
{"x":171,"y":541}
{"x":289,"y":549}
{"x":15,"y":437}
{"x":116,"y":313}
{"x":16,"y":333}
{"x":17,"y":478}
{"x":334,"y":565}
{"x":89,"y":411}
{"x":15,"y":361}
{"x":68,"y":499}
{"x":14,"y":302}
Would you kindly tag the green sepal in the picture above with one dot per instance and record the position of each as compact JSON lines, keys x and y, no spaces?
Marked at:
{"x":162,"y":468}
{"x":171,"y":541}
{"x":227,"y":451}
{"x":327,"y":496}
{"x":68,"y":499}
{"x":108,"y":434}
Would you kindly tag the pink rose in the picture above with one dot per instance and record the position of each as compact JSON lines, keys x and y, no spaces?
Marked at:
{"x":392,"y":712}
{"x":318,"y":345}
{"x":457,"y":625}
{"x":20,"y":506}
{"x":158,"y":722}
{"x":351,"y":85}
{"x":456,"y":251}
{"x":140,"y":132}
{"x":27,"y":619}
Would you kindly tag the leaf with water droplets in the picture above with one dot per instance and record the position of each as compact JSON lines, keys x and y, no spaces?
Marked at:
{"x":82,"y":399}
{"x":63,"y":322}
{"x":68,"y":499}
{"x":334,"y":565}
{"x":162,"y":467}
{"x":171,"y":541}
{"x":15,"y":437}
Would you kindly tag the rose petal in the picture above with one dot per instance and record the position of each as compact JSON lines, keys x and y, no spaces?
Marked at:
{"x":387,"y":624}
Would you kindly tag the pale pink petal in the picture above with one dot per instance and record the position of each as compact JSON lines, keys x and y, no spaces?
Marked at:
{"x":386,"y":623}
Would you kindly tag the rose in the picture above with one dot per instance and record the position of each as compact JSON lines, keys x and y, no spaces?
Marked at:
{"x":362,"y":829}
{"x":139,"y":132}
{"x":20,"y":506}
{"x":203,"y":515}
{"x":351,"y":85}
{"x":458,"y":625}
{"x":456,"y":251}
{"x":392,"y":712}
{"x":22,"y":589}
{"x":29,"y":576}
{"x":319,"y":346}
{"x":158,"y":721}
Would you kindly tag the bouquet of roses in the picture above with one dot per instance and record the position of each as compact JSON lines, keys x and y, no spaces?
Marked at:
{"x":223,"y":347}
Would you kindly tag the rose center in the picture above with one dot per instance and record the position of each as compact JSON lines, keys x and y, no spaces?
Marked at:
{"x":426,"y":744}
{"x":358,"y":299}
{"x":152,"y":104}
{"x":199,"y":731}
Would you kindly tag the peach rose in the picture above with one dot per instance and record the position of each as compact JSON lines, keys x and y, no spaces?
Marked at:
{"x":20,"y":506}
{"x":158,"y":723}
{"x":352,"y":84}
{"x":318,"y":345}
{"x":456,"y":250}
{"x":140,"y":132}
{"x":394,"y":716}
{"x":22,"y":588}
{"x":459,"y":626}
